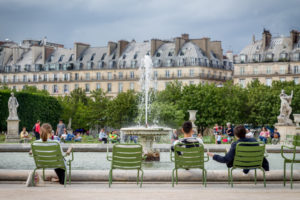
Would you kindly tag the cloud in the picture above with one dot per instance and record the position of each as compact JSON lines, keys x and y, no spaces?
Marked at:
{"x":98,"y":21}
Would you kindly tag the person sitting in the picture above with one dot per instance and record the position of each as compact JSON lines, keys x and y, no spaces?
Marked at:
{"x":102,"y":136}
{"x":70,"y":137}
{"x":249,"y":134}
{"x":45,"y":133}
{"x":63,"y":136}
{"x":187,"y":129}
{"x":113,"y":137}
{"x":275,"y":136}
{"x":77,"y":138}
{"x":240,"y":134}
{"x":25,"y":137}
{"x":264,"y":135}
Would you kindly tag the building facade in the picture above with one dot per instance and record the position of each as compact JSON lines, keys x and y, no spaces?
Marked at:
{"x":113,"y":68}
{"x":269,"y":59}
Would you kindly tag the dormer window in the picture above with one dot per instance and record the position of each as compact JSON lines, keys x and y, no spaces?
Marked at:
{"x":243,"y":58}
{"x":256,"y":57}
{"x":51,"y":58}
{"x":114,"y":56}
{"x":269,"y":56}
{"x":181,"y":53}
{"x":103,"y":56}
{"x":283,"y":55}
{"x":124,"y":56}
{"x":158,"y":54}
{"x":81,"y":58}
{"x":170,"y":53}
{"x":135,"y":56}
{"x":93,"y":56}
{"x":71,"y":58}
{"x":61,"y":58}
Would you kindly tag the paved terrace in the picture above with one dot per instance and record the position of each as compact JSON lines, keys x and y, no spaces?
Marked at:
{"x":81,"y":147}
{"x":156,"y":191}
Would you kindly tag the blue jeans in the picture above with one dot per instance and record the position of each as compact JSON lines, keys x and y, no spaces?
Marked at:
{"x":263,"y":139}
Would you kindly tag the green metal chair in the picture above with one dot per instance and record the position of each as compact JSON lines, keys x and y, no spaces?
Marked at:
{"x":127,"y":157}
{"x":292,"y":160}
{"x":190,"y":156}
{"x":48,"y":155}
{"x":248,"y":155}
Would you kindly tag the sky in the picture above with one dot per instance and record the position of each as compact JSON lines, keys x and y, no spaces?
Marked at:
{"x":98,"y":21}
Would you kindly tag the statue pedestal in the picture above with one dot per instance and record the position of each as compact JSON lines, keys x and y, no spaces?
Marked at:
{"x":285,"y":130}
{"x":12,"y":131}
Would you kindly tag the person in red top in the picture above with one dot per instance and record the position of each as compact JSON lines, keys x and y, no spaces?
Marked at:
{"x":36,"y":130}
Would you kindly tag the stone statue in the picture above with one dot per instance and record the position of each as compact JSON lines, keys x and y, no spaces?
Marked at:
{"x":12,"y":107}
{"x":285,"y":109}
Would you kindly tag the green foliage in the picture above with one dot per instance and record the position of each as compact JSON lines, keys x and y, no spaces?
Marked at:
{"x":32,"y":107}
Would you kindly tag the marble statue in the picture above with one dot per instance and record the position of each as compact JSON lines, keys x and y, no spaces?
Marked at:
{"x":12,"y":107}
{"x":285,"y":109}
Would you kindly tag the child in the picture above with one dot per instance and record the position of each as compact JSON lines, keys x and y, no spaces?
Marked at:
{"x":219,"y":138}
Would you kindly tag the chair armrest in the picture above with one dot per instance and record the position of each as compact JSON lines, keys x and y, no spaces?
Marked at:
{"x":70,"y":149}
{"x":70,"y":152}
{"x":108,"y":157}
{"x":206,"y":158}
{"x":292,"y":148}
{"x":172,"y":156}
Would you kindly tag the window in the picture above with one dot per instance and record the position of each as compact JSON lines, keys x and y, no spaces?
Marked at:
{"x":120,"y":87}
{"x":242,"y":83}
{"x":269,"y":57}
{"x":170,"y":53}
{"x":283,"y":56}
{"x":282,"y":69}
{"x":101,"y":65}
{"x":132,"y":86}
{"x":66,"y":88}
{"x":61,"y":58}
{"x":157,"y":63}
{"x":296,"y":70}
{"x":14,"y":87}
{"x":92,"y":57}
{"x":55,"y":89}
{"x":170,"y":63}
{"x":87,"y":76}
{"x":133,"y":63}
{"x":131,"y":74}
{"x":191,"y":72}
{"x":71,"y":58}
{"x":269,"y":82}
{"x":108,"y":87}
{"x":109,"y":75}
{"x":76,"y":76}
{"x":256,"y":57}
{"x":45,"y":77}
{"x":158,"y":54}
{"x":15,"y":78}
{"x":90,"y":65}
{"x":191,"y":82}
{"x":35,"y":79}
{"x":120,"y":75}
{"x":98,"y":86}
{"x":45,"y":87}
{"x":166,"y":84}
{"x":24,"y":78}
{"x":296,"y":80}
{"x":243,"y":58}
{"x":255,"y":70}
{"x":296,"y":56}
{"x":87,"y":88}
{"x":98,"y":75}
{"x":103,"y":56}
{"x":167,"y":74}
{"x":282,"y":79}
{"x":76,"y":86}
{"x":155,"y":74}
{"x":242,"y":70}
{"x":269,"y":70}
{"x":5,"y":79}
{"x":66,"y":77}
{"x":179,"y":72}
{"x":135,"y":56}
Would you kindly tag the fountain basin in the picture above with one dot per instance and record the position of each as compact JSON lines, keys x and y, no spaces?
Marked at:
{"x":146,"y":139}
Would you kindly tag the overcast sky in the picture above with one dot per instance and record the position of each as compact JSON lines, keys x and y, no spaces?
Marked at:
{"x":98,"y":21}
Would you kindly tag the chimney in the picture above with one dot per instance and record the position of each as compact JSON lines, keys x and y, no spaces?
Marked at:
{"x":155,"y":44}
{"x":266,"y":39}
{"x":79,"y":48}
{"x":47,"y":51}
{"x":122,"y":44}
{"x":185,"y":36}
{"x":253,"y":39}
{"x":294,"y":34}
{"x":111,"y":47}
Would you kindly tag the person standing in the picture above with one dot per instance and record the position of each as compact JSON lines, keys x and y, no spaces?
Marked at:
{"x":60,"y":128}
{"x":229,"y":132}
{"x":36,"y":129}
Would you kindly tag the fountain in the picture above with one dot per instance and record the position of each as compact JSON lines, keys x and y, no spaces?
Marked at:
{"x":146,"y":133}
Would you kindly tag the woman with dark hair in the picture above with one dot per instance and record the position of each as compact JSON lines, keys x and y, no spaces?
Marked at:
{"x":240,"y":134}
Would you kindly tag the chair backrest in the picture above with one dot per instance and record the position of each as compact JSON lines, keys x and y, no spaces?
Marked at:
{"x":190,"y":156}
{"x":127,"y":156}
{"x":296,"y":140}
{"x":249,"y":155}
{"x":47,"y":154}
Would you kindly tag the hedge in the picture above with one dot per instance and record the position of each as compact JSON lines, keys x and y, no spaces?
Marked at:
{"x":32,"y":107}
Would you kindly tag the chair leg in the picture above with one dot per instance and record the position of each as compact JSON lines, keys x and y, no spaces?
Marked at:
{"x":255,"y":176}
{"x":264,"y":174}
{"x":44,"y":174}
{"x":138,"y":177}
{"x":284,"y":173}
{"x":205,"y":175}
{"x":173,"y":178}
{"x":65,"y":181}
{"x":292,"y":175}
{"x":231,"y":178}
{"x":70,"y":173}
{"x":110,"y":178}
{"x":142,"y":177}
{"x":228,"y":176}
{"x":33,"y":176}
{"x":176,"y":177}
